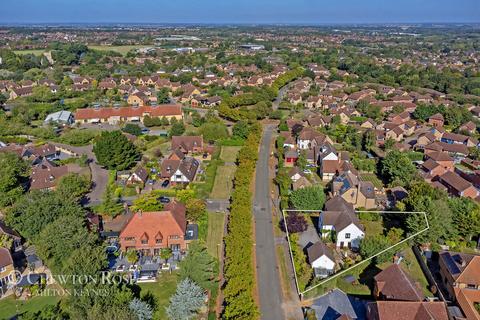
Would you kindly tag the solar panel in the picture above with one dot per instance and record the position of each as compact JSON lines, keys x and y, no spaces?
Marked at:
{"x":451,"y":265}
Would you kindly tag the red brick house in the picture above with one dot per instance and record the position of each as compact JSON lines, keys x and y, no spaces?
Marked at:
{"x":149,"y":232}
{"x":436,"y":120}
{"x":188,"y":144}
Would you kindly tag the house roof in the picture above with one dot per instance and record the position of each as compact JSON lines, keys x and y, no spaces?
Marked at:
{"x":170,"y":221}
{"x":187,"y":143}
{"x":141,"y":173}
{"x":395,"y":284}
{"x":337,"y":203}
{"x":439,"y":156}
{"x":463,"y":267}
{"x":45,"y":176}
{"x":437,"y":116}
{"x":106,"y":112}
{"x":455,"y":181}
{"x":334,"y":304}
{"x":429,"y":165}
{"x":466,"y":299}
{"x":409,"y":310}
{"x":317,"y":250}
{"x":4,"y":229}
{"x":5,"y":257}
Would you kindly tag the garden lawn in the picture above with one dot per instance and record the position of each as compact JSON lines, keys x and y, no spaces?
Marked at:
{"x":8,"y":305}
{"x":161,"y":291}
{"x":216,"y":222}
{"x":223,"y":182}
{"x":229,"y":154}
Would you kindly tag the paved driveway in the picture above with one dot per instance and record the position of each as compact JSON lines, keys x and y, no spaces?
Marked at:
{"x":99,"y":174}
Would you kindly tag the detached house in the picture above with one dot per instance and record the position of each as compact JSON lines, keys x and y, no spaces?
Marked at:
{"x":7,"y":274}
{"x":179,"y":171}
{"x":321,"y":259}
{"x":393,"y":283}
{"x":361,"y":194}
{"x":339,"y":217}
{"x":459,"y":271}
{"x":188,"y":144}
{"x":149,"y":232}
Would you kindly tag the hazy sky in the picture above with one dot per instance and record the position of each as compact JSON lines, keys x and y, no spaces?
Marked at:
{"x":239,"y":11}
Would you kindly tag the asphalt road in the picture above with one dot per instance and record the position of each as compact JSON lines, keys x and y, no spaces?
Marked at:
{"x":268,"y":280}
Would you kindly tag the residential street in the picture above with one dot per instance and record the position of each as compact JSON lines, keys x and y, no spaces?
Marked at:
{"x":268,"y":280}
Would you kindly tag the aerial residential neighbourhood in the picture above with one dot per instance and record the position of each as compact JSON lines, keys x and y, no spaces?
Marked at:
{"x":273,"y":160}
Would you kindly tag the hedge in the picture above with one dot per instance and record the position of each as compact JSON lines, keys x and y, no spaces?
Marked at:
{"x":239,"y":268}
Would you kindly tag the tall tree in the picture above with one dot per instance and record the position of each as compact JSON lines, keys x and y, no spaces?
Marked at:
{"x":310,"y":198}
{"x":199,"y":266}
{"x":114,"y":151}
{"x":397,"y":168}
{"x":187,"y":301}
{"x":13,"y":171}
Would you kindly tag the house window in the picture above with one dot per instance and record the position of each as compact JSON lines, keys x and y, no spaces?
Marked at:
{"x":347,"y":235}
{"x":471,"y":286}
{"x":144,"y":241}
{"x":129,"y":238}
{"x":178,"y":176}
{"x":174,"y":237}
{"x":158,"y":241}
{"x":3,"y":269}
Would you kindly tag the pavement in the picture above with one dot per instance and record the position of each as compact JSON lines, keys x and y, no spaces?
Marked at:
{"x":218,"y":205}
{"x":268,"y":279}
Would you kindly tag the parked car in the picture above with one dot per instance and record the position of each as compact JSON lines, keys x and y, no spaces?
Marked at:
{"x":165,"y":183}
{"x":163,"y":199}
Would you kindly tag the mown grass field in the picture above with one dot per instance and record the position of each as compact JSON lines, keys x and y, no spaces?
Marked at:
{"x":216,"y":221}
{"x":372,"y":177}
{"x":8,"y":306}
{"x":223,"y":182}
{"x":120,"y":49}
{"x":161,"y":291}
{"x":229,"y":154}
{"x":36,"y":52}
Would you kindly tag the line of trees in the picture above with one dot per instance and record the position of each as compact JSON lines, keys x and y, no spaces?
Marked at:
{"x":239,"y":272}
{"x":234,"y":108}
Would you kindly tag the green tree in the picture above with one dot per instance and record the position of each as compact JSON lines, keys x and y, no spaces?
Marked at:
{"x":177,"y":129}
{"x":199,"y":266}
{"x":38,"y":209}
{"x":368,"y":140}
{"x":57,"y":240}
{"x":302,"y":160}
{"x":310,"y":198}
{"x":132,"y":129}
{"x":163,"y":96}
{"x":373,"y":244}
{"x":213,"y":131}
{"x":465,"y":216}
{"x":241,"y":130}
{"x":73,"y":186}
{"x":141,"y":309}
{"x":187,"y":301}
{"x":165,"y":254}
{"x":196,"y":208}
{"x":114,"y":151}
{"x":397,"y":167}
{"x":13,"y":171}
{"x":147,"y":202}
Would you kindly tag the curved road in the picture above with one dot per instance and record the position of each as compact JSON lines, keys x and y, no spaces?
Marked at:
{"x":268,"y":279}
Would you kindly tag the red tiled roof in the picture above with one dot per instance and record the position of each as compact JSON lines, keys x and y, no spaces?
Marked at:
{"x":103,"y":113}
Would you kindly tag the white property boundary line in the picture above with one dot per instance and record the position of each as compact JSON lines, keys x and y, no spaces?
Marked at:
{"x":356,"y":264}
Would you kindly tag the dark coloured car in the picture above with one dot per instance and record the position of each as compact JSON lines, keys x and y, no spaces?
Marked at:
{"x":165,"y":183}
{"x":163,"y":199}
